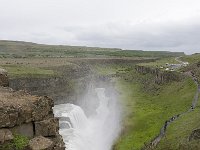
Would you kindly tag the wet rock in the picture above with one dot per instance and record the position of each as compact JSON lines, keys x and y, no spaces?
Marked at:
{"x":5,"y":135}
{"x":47,"y":127}
{"x":195,"y":135}
{"x":64,"y":125}
{"x":40,"y":143}
{"x":4,"y":78}
{"x":58,"y":143}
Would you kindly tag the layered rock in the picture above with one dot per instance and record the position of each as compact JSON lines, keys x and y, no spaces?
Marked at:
{"x":160,"y":76}
{"x":28,"y":116}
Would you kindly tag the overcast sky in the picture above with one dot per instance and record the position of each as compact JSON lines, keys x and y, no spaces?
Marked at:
{"x":129,"y":24}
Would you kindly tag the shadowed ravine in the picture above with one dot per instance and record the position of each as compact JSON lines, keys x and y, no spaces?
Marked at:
{"x":97,"y":131}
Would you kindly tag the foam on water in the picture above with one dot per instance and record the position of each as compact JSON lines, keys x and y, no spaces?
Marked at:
{"x":96,"y":132}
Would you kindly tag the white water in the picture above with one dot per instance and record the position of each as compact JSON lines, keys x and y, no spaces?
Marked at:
{"x":95,"y":132}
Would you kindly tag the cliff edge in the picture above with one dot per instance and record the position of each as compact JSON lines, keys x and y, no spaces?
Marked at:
{"x":27,"y":122}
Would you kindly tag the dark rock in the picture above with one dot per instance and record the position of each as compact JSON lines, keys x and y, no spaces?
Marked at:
{"x":58,"y":143}
{"x":47,"y":127}
{"x":24,"y":129}
{"x":64,"y":125}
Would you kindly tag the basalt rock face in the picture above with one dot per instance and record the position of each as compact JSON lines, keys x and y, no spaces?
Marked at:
{"x":30,"y":116}
{"x":67,"y":87}
{"x":160,"y":76}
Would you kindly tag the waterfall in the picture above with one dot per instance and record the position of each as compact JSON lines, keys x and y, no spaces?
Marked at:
{"x":95,"y":132}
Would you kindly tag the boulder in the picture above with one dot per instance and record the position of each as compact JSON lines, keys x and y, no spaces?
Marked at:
{"x":4,"y":78}
{"x":5,"y":135}
{"x":40,"y":143}
{"x":47,"y":127}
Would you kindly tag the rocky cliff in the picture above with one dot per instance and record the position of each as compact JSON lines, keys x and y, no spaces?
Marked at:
{"x":27,"y":121}
{"x":160,"y":76}
{"x":68,"y":85}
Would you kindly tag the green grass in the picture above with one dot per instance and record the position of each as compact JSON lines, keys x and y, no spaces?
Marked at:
{"x":146,"y":113}
{"x":17,"y":49}
{"x":178,"y":133}
{"x":19,"y":142}
{"x":23,"y":71}
{"x":191,"y":58}
{"x":108,"y":69}
{"x":160,"y":63}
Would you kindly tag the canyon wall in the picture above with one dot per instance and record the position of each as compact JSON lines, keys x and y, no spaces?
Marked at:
{"x":160,"y":76}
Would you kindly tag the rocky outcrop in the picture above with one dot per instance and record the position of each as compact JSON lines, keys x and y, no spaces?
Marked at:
{"x":3,"y":77}
{"x":160,"y":76}
{"x":19,"y":107}
{"x":40,"y":143}
{"x":48,"y":127}
{"x":29,"y":116}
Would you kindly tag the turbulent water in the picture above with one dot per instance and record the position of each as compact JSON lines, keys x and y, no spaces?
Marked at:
{"x":95,"y":132}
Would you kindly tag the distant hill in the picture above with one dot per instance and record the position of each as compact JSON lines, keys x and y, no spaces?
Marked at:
{"x":19,"y":49}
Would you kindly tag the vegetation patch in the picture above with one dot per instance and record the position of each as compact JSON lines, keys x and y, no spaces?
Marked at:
{"x":177,"y":135}
{"x":191,"y":58}
{"x":23,"y":71}
{"x":160,"y":63}
{"x":19,"y":142}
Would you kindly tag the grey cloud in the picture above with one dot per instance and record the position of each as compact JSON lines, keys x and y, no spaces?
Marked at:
{"x":173,"y":37}
{"x":128,"y":24}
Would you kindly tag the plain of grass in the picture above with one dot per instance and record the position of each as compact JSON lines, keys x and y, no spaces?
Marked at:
{"x":23,"y":71}
{"x":160,"y":62}
{"x":108,"y":69}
